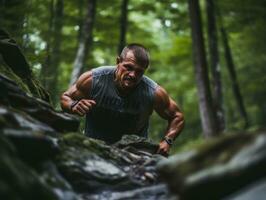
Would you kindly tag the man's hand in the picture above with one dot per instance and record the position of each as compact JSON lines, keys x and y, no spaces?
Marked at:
{"x":164,"y":148}
{"x":83,"y":106}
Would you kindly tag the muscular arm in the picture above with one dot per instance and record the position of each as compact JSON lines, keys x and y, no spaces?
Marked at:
{"x":78,"y":92}
{"x":168,"y":110}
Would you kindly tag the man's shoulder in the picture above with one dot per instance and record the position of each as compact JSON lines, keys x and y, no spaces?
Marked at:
{"x":149,"y":82}
{"x":103,"y":70}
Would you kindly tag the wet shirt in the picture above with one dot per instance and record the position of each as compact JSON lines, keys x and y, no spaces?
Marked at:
{"x":115,"y":115}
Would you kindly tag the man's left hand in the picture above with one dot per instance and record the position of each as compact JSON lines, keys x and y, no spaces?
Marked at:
{"x":164,"y":148}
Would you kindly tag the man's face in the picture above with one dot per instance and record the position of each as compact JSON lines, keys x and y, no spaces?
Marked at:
{"x":128,"y":73}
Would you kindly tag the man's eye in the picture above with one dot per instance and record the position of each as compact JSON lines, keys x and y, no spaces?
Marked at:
{"x":128,"y":67}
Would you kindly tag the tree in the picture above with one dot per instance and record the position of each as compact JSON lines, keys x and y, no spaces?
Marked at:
{"x":232,"y":72}
{"x":215,"y":65}
{"x":208,"y":119}
{"x":50,"y":70}
{"x":231,"y":69}
{"x":12,"y":16}
{"x":123,"y":25}
{"x":85,"y":42}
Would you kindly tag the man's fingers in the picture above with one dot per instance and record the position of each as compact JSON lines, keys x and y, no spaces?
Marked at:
{"x":80,"y":109}
{"x":89,"y":103}
{"x":85,"y":107}
{"x":78,"y":112}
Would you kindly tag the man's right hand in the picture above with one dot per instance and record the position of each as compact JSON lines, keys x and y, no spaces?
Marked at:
{"x":83,"y":106}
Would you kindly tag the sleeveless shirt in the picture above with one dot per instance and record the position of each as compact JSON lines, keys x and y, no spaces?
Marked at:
{"x":115,"y":115}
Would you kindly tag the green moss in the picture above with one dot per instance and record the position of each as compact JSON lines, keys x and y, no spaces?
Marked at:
{"x":30,"y":85}
{"x":81,"y":141}
{"x":6,"y":71}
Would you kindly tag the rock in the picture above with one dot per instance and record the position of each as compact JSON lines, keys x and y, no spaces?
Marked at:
{"x":32,"y":147}
{"x":15,"y":97}
{"x":218,"y":168}
{"x":17,"y":180}
{"x":11,"y":118}
{"x":159,"y":191}
{"x":18,"y":67}
{"x":99,"y":166}
{"x":135,"y":143}
{"x":256,"y":190}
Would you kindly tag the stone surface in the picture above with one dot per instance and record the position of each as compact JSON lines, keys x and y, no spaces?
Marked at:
{"x":14,"y":97}
{"x":229,"y":163}
{"x":101,"y":167}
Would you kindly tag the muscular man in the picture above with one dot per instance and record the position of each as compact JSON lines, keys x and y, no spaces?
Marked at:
{"x":119,"y":100}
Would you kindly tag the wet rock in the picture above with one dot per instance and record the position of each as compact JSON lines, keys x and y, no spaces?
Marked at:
{"x":134,"y":143}
{"x":32,"y":147}
{"x":159,"y":191}
{"x":49,"y":174}
{"x":256,"y":190}
{"x":99,"y":167}
{"x":17,"y":180}
{"x":18,"y":67}
{"x":11,"y":118}
{"x":229,"y":163}
{"x":42,"y":111}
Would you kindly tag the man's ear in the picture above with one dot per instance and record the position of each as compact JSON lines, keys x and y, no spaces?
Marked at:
{"x":118,"y":60}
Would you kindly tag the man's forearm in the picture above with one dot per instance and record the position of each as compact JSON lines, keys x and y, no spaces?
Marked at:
{"x":66,"y":102}
{"x":175,"y":126}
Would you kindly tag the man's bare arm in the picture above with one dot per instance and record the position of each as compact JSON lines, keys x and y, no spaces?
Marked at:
{"x":76,"y":98}
{"x":168,"y":110}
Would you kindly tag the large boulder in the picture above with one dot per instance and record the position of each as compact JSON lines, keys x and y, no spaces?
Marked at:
{"x":218,"y":168}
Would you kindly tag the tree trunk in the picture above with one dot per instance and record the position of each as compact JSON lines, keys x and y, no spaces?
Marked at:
{"x":47,"y":63}
{"x":11,"y":19}
{"x":123,"y":25}
{"x":214,"y":65}
{"x":54,"y":48}
{"x":85,"y":41}
{"x":233,"y":76}
{"x":80,"y":18}
{"x":208,"y":119}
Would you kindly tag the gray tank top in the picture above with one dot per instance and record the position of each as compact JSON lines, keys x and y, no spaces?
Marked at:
{"x":114,"y":115}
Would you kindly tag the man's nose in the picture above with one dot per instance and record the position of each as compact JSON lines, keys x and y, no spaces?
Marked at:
{"x":132,"y":74}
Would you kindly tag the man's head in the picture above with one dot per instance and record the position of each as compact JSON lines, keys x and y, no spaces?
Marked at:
{"x":139,"y":51}
{"x":131,"y":65}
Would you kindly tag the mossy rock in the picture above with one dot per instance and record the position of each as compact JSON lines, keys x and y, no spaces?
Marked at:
{"x":14,"y":65}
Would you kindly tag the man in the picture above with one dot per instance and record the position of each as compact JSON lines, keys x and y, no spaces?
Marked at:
{"x":119,"y":100}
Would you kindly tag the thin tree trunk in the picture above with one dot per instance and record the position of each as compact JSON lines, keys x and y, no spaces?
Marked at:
{"x":47,"y":63}
{"x":85,"y":41}
{"x":123,"y":25}
{"x":80,"y":18}
{"x":56,"y":49}
{"x":233,"y":76}
{"x":11,"y":20}
{"x":232,"y":72}
{"x":214,"y":65}
{"x":208,"y":120}
{"x":50,"y":69}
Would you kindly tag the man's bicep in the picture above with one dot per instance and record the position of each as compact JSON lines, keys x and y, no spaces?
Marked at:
{"x":74,"y":93}
{"x":82,"y":87}
{"x":162,"y":103}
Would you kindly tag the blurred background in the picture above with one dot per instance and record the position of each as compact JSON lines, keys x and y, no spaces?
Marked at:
{"x":61,"y":39}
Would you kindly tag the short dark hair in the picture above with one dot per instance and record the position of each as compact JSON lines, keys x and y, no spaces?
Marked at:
{"x":140,"y":52}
